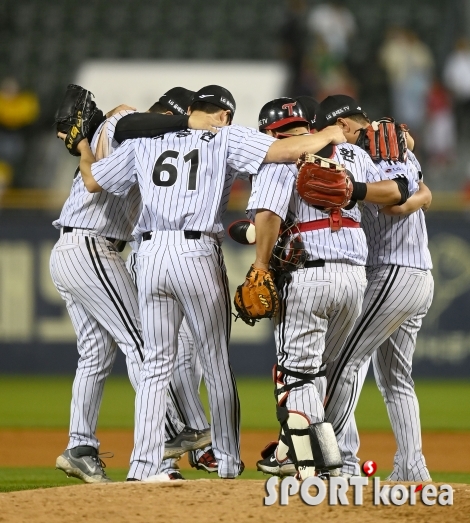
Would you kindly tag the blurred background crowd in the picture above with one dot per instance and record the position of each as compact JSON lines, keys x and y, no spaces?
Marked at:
{"x":407,"y":59}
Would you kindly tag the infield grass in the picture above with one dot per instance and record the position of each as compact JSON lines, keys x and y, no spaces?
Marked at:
{"x":36,"y":402}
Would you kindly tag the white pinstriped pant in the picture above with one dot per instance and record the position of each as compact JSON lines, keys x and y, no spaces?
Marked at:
{"x":396,"y":301}
{"x":318,"y":310}
{"x":101,"y":299}
{"x":187,"y":373}
{"x":184,"y":278}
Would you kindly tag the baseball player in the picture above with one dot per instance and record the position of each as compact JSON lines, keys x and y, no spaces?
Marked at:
{"x":187,"y":373}
{"x":398,"y":295}
{"x":321,"y":301}
{"x":178,"y":174}
{"x":90,"y":275}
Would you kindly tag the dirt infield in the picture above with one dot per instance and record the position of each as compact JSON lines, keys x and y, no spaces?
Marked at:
{"x":445,"y":452}
{"x":201,"y":501}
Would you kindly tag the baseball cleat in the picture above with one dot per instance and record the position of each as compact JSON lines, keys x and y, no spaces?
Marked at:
{"x":243,"y":231}
{"x":270,"y":465}
{"x":164,"y":477}
{"x":188,"y":439}
{"x":206,"y":461}
{"x":83,"y":463}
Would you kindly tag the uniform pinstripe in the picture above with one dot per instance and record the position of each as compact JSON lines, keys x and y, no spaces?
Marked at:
{"x":398,"y":295}
{"x":185,"y":180}
{"x":318,"y":305}
{"x":100,"y":296}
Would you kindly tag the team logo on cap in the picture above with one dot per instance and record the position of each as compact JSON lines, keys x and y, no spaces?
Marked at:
{"x":227,"y":102}
{"x":337,"y":112}
{"x":290,"y":107}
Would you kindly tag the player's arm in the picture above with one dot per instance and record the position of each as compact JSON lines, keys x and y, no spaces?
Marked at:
{"x":267,"y":225}
{"x":87,"y":159}
{"x":419,"y":200}
{"x":150,"y":125}
{"x":289,"y":149}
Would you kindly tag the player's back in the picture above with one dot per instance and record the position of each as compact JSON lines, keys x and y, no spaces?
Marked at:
{"x":185,"y":177}
{"x":103,"y":213}
{"x":397,"y":240}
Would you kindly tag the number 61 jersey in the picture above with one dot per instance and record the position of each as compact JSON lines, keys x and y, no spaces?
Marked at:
{"x":184,"y":177}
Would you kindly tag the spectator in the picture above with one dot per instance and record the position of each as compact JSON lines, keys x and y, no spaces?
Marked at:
{"x":409,"y":65}
{"x":294,"y":39}
{"x":17,"y":110}
{"x":334,"y":24}
{"x":440,"y":138}
{"x":457,"y":80}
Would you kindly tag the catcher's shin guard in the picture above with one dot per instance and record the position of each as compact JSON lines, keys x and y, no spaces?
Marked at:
{"x":304,"y":443}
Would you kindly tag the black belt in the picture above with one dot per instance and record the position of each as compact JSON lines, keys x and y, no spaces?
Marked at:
{"x":189,"y":235}
{"x":118,"y":244}
{"x":314,"y":263}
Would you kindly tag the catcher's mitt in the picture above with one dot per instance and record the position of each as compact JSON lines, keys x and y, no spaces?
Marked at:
{"x":258,"y":299}
{"x":323,"y":183}
{"x":77,"y":117}
{"x":384,"y":140}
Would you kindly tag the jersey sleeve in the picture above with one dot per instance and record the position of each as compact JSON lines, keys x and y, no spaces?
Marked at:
{"x":272,"y":189}
{"x":247,"y":148}
{"x":391,"y":170}
{"x":412,"y":158}
{"x":148,"y":125}
{"x":116,"y":174}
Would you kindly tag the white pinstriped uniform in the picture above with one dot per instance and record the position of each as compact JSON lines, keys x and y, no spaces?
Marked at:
{"x":319,"y":305}
{"x":100,"y":296}
{"x":398,"y":296}
{"x":185,"y":180}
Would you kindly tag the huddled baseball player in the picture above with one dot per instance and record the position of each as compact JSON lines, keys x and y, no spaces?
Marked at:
{"x":91,"y":277}
{"x":178,"y":175}
{"x":321,"y":300}
{"x":398,"y":295}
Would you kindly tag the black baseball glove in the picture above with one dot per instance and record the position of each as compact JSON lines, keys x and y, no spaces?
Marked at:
{"x":78,"y":117}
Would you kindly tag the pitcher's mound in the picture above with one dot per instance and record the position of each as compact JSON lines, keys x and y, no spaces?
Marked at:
{"x":206,"y":501}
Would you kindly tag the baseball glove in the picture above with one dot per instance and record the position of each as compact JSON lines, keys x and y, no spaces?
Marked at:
{"x":77,"y":117}
{"x":258,"y":298}
{"x":323,"y":183}
{"x":384,"y":140}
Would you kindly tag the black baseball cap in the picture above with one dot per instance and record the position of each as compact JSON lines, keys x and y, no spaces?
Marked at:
{"x":216,"y":95}
{"x":177,"y":100}
{"x":337,"y":106}
{"x":311,"y":107}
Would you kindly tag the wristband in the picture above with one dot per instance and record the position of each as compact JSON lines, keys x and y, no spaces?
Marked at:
{"x":359,"y":191}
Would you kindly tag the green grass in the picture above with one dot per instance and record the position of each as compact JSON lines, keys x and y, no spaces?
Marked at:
{"x":12,"y":479}
{"x":43,"y":402}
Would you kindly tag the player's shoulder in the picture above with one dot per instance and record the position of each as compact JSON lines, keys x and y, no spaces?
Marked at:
{"x":350,"y":153}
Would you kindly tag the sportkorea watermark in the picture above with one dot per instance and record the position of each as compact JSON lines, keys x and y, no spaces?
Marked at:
{"x":313,"y":491}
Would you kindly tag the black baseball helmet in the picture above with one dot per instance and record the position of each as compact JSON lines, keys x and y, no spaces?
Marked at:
{"x":280,"y":112}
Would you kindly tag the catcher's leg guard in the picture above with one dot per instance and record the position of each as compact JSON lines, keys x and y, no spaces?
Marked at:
{"x":307,"y":445}
{"x":325,"y":448}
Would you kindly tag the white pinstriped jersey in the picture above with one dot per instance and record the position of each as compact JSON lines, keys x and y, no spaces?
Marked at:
{"x":184,"y":177}
{"x":397,"y":240}
{"x":103,"y":213}
{"x":274,"y":189}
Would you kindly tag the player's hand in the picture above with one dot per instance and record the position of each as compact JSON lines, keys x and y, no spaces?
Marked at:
{"x":62,"y":136}
{"x":122,"y":107}
{"x":204,"y":122}
{"x":335,"y":134}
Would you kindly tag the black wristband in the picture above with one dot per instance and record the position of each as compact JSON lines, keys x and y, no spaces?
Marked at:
{"x":148,"y":125}
{"x":403,"y":188}
{"x":359,"y":191}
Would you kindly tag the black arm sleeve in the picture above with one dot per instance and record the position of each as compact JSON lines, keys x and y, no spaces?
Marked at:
{"x":403,"y":188}
{"x":148,"y":125}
